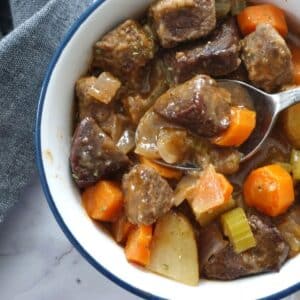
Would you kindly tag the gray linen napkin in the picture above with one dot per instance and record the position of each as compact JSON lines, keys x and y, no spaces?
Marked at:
{"x":25,"y":52}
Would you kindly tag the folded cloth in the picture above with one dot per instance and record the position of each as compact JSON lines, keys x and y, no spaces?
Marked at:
{"x":38,"y":27}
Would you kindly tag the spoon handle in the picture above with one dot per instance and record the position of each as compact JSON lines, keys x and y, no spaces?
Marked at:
{"x":287,"y":99}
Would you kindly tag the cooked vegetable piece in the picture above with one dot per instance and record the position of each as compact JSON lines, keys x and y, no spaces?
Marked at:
{"x":237,"y":6}
{"x":147,"y":133}
{"x":296,"y":63}
{"x":173,"y":144}
{"x":103,"y":201}
{"x":211,"y":191}
{"x":270,"y":190}
{"x":185,"y":189}
{"x":148,"y":196}
{"x":236,"y":227}
{"x":178,"y":21}
{"x":267,"y":58}
{"x":217,"y":55}
{"x":161,"y":170}
{"x":87,"y":105}
{"x":295,"y":162}
{"x":121,"y":229}
{"x":174,"y":250}
{"x":207,"y":217}
{"x":137,"y":249}
{"x":270,"y":253}
{"x":291,"y":124}
{"x":124,"y":51}
{"x":126,"y":142}
{"x":254,"y":15}
{"x":105,"y":88}
{"x":198,"y":104}
{"x":93,"y":154}
{"x":222,"y":8}
{"x":242,"y":123}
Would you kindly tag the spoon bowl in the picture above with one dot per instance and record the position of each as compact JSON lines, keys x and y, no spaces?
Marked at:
{"x":268,"y":106}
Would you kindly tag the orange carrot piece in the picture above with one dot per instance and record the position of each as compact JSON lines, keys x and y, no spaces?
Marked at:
{"x":137,"y":249}
{"x":211,"y":191}
{"x":121,"y":229}
{"x":296,"y":63}
{"x":270,"y":190}
{"x":103,"y":201}
{"x":161,"y":170}
{"x":251,"y":16}
{"x":242,"y":123}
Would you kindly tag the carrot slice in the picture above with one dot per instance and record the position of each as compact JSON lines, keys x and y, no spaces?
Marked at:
{"x":161,"y":170}
{"x":242,"y":123}
{"x":137,"y":248}
{"x":211,"y":191}
{"x":270,"y":190}
{"x":103,"y":201}
{"x":296,"y":63}
{"x":251,"y":16}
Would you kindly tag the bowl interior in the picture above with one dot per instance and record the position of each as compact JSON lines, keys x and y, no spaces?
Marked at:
{"x":54,"y":131}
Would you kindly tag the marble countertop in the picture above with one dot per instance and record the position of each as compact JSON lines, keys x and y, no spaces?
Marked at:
{"x":37,"y":261}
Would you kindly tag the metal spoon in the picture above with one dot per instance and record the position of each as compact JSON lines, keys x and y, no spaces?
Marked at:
{"x":268,"y":107}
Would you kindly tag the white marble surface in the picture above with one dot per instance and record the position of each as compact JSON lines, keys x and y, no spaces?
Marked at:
{"x":37,"y":262}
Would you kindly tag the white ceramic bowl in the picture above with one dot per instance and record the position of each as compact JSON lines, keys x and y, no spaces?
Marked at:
{"x":53,"y":136}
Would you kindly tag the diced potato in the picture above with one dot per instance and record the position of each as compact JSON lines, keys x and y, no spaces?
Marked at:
{"x":210,"y":215}
{"x":174,"y":250}
{"x":291,"y":124}
{"x":105,"y":88}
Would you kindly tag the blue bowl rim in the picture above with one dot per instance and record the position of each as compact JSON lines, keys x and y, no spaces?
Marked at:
{"x":39,"y":161}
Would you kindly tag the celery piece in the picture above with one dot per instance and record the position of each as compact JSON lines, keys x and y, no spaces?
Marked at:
{"x":295,"y":162}
{"x":236,"y":227}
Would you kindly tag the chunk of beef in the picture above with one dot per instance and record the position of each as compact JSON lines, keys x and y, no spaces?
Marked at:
{"x":93,"y":154}
{"x":147,"y":195}
{"x":177,"y":21}
{"x":269,"y":254}
{"x":198,"y":104}
{"x":87,"y":105}
{"x":216,"y":56}
{"x":267,"y":58}
{"x":124,"y":50}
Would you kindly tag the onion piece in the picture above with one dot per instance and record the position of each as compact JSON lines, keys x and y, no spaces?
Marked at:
{"x":126,"y":142}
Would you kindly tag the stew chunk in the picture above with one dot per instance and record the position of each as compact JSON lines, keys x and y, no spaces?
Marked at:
{"x":147,"y":195}
{"x":218,"y":55}
{"x":124,"y":50}
{"x":269,"y":254}
{"x":267,"y":58}
{"x":198,"y":104}
{"x":177,"y":21}
{"x":93,"y":154}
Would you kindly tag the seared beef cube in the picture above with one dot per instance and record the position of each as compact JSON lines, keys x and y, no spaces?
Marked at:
{"x":87,"y":105}
{"x":177,"y":21}
{"x":267,"y":58}
{"x":105,"y":88}
{"x":124,"y":50}
{"x":93,"y":154}
{"x":198,"y":104}
{"x":269,"y":254}
{"x":147,"y":195}
{"x":216,"y":56}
